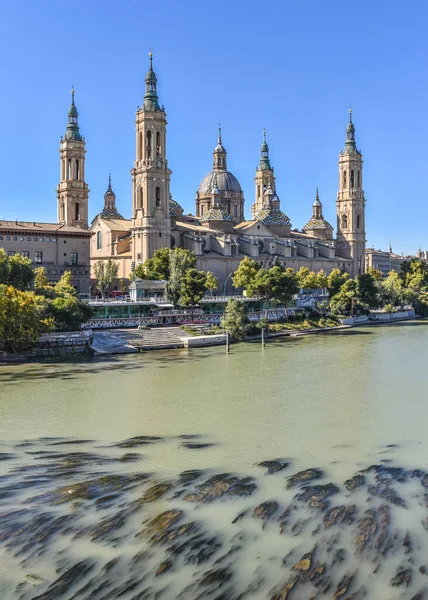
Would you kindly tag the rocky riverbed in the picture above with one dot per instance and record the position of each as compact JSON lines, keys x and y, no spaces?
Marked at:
{"x":87,"y":520}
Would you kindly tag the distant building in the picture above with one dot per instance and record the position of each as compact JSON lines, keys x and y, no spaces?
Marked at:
{"x":218,"y":232}
{"x":62,"y":246}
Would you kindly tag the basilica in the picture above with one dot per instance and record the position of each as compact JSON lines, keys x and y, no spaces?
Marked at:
{"x":218,"y":232}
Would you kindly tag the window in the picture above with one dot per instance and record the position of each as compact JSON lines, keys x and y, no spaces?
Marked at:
{"x":344,"y":221}
{"x":160,"y":235}
{"x":25,"y":254}
{"x":148,"y":144}
{"x":99,"y":240}
{"x":358,"y":178}
{"x":1,"y":237}
{"x":77,"y":168}
{"x":69,"y":168}
{"x":77,"y":213}
{"x":352,"y":178}
{"x":28,"y":239}
{"x":344,"y":179}
{"x":15,"y":239}
{"x":11,"y":253}
{"x":48,"y":239}
{"x":42,"y":239}
{"x":158,"y":201}
{"x":38,"y":258}
{"x":358,"y":221}
{"x":141,"y":145}
{"x":54,"y":239}
{"x":235,"y":210}
{"x":8,"y":238}
{"x":158,"y":146}
{"x":139,"y":256}
{"x":21,"y":239}
{"x":74,"y":258}
{"x":35,"y":239}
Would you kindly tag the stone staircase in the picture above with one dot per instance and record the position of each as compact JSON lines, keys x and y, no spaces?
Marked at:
{"x":156,"y":338}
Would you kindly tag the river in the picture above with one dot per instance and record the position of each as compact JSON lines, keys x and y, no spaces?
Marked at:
{"x":80,"y":488}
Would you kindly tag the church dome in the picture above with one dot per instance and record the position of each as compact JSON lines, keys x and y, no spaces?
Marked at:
{"x":315,"y":223}
{"x":226,"y":182}
{"x":174,"y":208}
{"x":216,"y":214}
{"x":269,"y":217}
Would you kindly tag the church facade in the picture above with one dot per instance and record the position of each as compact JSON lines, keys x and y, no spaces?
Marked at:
{"x":218,"y":232}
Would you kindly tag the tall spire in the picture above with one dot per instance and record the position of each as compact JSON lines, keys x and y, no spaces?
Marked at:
{"x":72,"y":132}
{"x":220,"y":153}
{"x":317,"y":207}
{"x":151,"y":101}
{"x":109,"y":183}
{"x":350,"y":145}
{"x":264,"y":158}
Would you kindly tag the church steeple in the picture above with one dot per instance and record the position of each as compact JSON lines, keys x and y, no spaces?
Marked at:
{"x":350,"y":145}
{"x":109,"y":211}
{"x":72,"y":132}
{"x":151,"y":100}
{"x":72,"y":190}
{"x":219,"y":162}
{"x":264,"y":158}
{"x":264,"y":179}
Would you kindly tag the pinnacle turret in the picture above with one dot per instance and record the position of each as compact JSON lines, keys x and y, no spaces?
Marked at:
{"x":72,"y":132}
{"x":151,"y":100}
{"x":264,"y":158}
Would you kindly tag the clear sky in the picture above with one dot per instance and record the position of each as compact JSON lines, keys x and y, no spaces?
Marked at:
{"x":293,"y":67}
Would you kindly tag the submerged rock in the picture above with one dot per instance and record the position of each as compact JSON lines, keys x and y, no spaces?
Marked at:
{"x":339,"y":515}
{"x":275,"y":465}
{"x":266,"y":510}
{"x":355,"y":482}
{"x":316,"y":496}
{"x":304,"y":477}
{"x":221,"y":485}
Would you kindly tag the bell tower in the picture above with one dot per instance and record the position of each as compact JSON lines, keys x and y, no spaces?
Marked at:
{"x":350,"y":204}
{"x":264,"y":178}
{"x":72,"y":191}
{"x":151,"y":224}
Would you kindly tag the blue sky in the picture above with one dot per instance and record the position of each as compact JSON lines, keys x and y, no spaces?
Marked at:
{"x":293,"y":67}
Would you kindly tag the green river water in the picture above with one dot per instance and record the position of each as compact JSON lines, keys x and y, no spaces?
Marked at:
{"x":337,"y":402}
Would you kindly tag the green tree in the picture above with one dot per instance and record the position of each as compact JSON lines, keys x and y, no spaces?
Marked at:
{"x":375,"y":273}
{"x":159,"y":266}
{"x":179,"y":262}
{"x":416,"y":276}
{"x":22,"y":319}
{"x":68,"y":312}
{"x":4,"y":267}
{"x":235,"y":319}
{"x":245,"y":273}
{"x":275,"y":284}
{"x":211,"y":282}
{"x":40,"y":279}
{"x":21,"y":272}
{"x":392,"y":290}
{"x":322,"y":280}
{"x":302,"y":275}
{"x":347,"y":300}
{"x":105,"y":272}
{"x":367,"y":290}
{"x":335,"y":280}
{"x":193,"y":288}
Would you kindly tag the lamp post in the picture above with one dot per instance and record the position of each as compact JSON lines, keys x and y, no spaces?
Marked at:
{"x":225,"y":283}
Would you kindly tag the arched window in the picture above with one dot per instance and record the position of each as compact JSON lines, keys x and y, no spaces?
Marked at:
{"x":202,"y":210}
{"x":140,"y":197}
{"x":235,"y":210}
{"x":344,"y":179}
{"x":358,"y":179}
{"x":69,"y":168}
{"x":352,"y":179}
{"x":158,"y":144}
{"x":77,"y":168}
{"x":77,"y":212}
{"x":148,"y":144}
{"x":344,"y":221}
{"x":258,"y":191}
{"x":158,"y":200}
{"x":99,"y":240}
{"x":140,"y":146}
{"x":358,"y":221}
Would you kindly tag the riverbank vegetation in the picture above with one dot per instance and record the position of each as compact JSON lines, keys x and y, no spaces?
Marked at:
{"x":25,"y":314}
